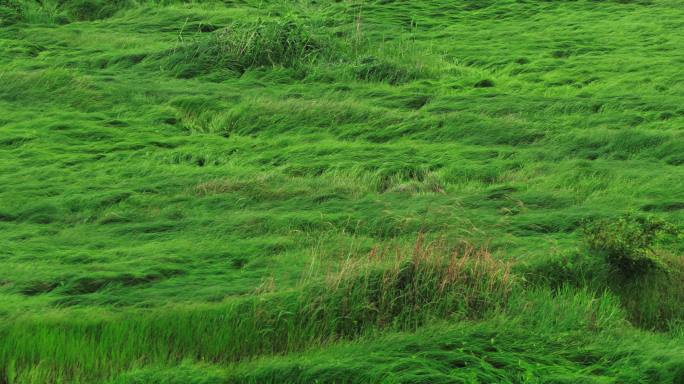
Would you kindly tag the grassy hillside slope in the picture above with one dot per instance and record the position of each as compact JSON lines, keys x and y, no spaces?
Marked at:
{"x":341,"y":191}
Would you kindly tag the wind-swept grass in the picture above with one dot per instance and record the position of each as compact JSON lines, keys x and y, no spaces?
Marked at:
{"x":58,"y":11}
{"x":390,"y":289}
{"x":524,"y":345}
{"x":167,"y":167}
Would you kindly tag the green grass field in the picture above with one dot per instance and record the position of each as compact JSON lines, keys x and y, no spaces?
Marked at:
{"x":341,"y":191}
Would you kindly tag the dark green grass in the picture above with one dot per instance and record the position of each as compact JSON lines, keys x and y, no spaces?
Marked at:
{"x":157,"y":155}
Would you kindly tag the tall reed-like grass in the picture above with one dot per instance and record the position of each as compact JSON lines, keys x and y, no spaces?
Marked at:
{"x":388,"y":289}
{"x":402,"y":289}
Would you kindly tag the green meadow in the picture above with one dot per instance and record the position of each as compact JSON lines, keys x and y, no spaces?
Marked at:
{"x":341,"y":191}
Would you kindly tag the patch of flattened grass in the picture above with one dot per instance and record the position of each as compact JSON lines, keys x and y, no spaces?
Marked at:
{"x":98,"y":281}
{"x":38,"y":287}
{"x":372,"y":68}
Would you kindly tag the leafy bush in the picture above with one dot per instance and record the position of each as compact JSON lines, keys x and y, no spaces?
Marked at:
{"x":649,"y":283}
{"x":628,"y":242}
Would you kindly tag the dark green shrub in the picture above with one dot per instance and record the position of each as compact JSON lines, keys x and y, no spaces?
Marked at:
{"x":628,"y":242}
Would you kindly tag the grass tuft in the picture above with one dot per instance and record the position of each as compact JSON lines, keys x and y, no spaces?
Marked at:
{"x":287,"y":42}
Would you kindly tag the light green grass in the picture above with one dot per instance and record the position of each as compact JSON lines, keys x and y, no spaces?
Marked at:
{"x":167,"y":167}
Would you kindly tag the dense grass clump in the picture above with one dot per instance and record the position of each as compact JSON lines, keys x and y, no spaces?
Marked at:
{"x":287,"y":42}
